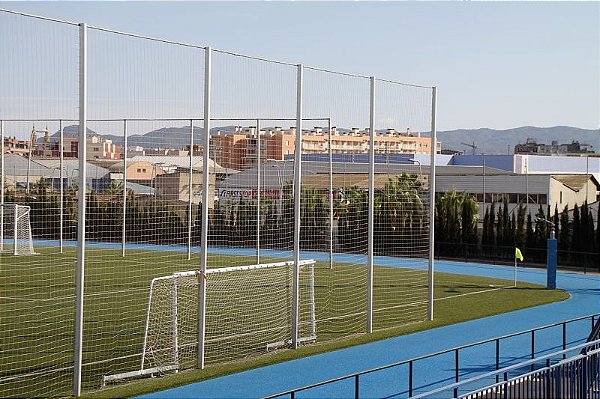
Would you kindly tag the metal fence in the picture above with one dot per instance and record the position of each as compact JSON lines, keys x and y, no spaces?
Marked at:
{"x":104,"y":228}
{"x":534,"y":257}
{"x":413,"y":382}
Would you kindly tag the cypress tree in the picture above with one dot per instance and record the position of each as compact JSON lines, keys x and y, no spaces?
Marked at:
{"x":563,"y":236}
{"x":598,"y":232}
{"x":492,"y":224}
{"x":512,"y":236}
{"x":529,"y":238}
{"x":583,"y":228}
{"x":485,"y":240}
{"x":555,"y":219}
{"x":520,"y":229}
{"x":575,"y":230}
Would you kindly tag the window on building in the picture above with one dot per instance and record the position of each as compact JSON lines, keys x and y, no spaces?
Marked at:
{"x":560,"y":200}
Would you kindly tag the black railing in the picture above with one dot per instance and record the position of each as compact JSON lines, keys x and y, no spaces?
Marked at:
{"x":355,"y":377}
{"x":575,"y":378}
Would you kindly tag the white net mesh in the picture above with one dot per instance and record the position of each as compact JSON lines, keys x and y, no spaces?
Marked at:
{"x":15,"y":226}
{"x":146,"y":164}
{"x":248,"y":312}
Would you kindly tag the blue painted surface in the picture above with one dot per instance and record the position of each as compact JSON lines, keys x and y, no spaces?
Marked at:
{"x":584,"y":290}
{"x":502,"y":162}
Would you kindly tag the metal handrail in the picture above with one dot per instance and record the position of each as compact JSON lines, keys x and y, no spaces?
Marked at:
{"x":505,"y":370}
{"x":356,"y":376}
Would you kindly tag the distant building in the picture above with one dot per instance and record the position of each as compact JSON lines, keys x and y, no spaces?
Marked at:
{"x":14,"y":146}
{"x":97,"y":148}
{"x":238,"y":149}
{"x":533,"y":148}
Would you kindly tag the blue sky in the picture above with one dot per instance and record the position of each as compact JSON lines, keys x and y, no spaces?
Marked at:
{"x":497,"y":65}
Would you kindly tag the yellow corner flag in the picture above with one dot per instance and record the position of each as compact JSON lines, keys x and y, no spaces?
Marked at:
{"x":518,"y":254}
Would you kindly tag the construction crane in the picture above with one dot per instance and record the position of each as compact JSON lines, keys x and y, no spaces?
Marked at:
{"x":473,"y":146}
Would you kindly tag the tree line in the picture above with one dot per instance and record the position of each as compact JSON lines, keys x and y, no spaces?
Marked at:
{"x":400,"y":221}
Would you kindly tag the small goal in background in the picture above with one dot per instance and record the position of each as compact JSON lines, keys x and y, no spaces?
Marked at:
{"x":15,"y":230}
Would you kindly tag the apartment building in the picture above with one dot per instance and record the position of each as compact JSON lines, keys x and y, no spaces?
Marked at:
{"x":238,"y":149}
{"x":97,"y":148}
{"x":12,"y":145}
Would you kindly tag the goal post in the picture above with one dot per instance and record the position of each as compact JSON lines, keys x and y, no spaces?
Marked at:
{"x":248,"y":312}
{"x":15,"y":229}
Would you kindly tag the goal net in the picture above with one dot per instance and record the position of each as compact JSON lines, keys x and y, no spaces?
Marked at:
{"x":248,"y":312}
{"x":15,"y":230}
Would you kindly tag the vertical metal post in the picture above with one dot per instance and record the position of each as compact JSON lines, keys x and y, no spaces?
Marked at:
{"x":124,"y":227}
{"x":410,"y":378}
{"x":2,"y":173}
{"x":297,"y":193}
{"x":483,"y":178}
{"x":371,"y":196}
{"x":311,"y":295}
{"x":62,"y":184}
{"x":29,"y":158}
{"x":330,"y":194}
{"x":456,"y":371}
{"x":204,"y":228}
{"x":78,"y":347}
{"x":258,"y":169}
{"x":191,"y":191}
{"x":532,"y":349}
{"x":564,"y":339}
{"x":431,"y":267}
{"x":497,"y":357}
{"x":15,"y":224}
{"x":175,"y":322}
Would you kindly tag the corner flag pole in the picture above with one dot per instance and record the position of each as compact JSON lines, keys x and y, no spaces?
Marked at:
{"x":515,"y":271}
{"x":518,"y":256}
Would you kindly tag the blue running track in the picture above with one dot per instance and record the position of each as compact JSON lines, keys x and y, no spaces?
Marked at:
{"x":264,"y":381}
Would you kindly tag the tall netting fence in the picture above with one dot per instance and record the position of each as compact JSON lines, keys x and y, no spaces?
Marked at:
{"x":160,"y":291}
{"x":337,"y":197}
{"x":402,"y":197}
{"x":37,"y":302}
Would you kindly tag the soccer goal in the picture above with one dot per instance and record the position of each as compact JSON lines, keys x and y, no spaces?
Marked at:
{"x":15,"y":230}
{"x":248,"y":312}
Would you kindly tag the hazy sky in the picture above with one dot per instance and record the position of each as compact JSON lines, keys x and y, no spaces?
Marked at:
{"x":497,"y":65}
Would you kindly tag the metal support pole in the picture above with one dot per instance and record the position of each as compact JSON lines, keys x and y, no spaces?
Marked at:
{"x":371,"y":196}
{"x":191,"y":191}
{"x":62,"y":184}
{"x":258,"y":169}
{"x":175,"y":323}
{"x":432,"y":202}
{"x":78,"y":347}
{"x":330,"y":194}
{"x":124,"y":227}
{"x":297,"y":193}
{"x":29,"y":159}
{"x":204,"y":229}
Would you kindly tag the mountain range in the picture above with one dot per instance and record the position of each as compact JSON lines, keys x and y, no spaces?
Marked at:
{"x":487,"y":141}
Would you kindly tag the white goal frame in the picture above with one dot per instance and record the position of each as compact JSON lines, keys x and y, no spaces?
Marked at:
{"x":22,"y":240}
{"x":174,"y":366}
